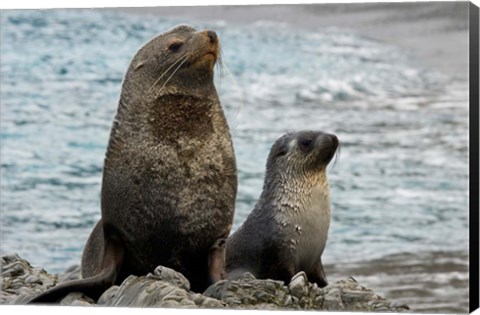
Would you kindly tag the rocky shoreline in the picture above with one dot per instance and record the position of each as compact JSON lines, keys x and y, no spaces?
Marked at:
{"x":165,"y":287}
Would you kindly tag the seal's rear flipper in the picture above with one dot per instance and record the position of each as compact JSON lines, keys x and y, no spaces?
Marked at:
{"x":318,"y":275}
{"x":93,"y":286}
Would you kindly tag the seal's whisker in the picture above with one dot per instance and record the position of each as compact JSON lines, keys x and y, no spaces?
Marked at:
{"x":337,"y":154}
{"x":219,"y":65}
{"x":171,"y":76}
{"x":166,"y":71}
{"x":235,"y":116}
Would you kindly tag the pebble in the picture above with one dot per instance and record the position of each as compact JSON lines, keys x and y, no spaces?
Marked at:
{"x":299,"y":285}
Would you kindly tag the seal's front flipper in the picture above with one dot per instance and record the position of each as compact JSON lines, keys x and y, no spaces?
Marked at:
{"x":318,"y":275}
{"x":216,"y":261}
{"x":93,"y":286}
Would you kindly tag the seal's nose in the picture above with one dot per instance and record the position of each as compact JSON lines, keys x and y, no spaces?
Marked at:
{"x":334,"y":140}
{"x":212,"y":35}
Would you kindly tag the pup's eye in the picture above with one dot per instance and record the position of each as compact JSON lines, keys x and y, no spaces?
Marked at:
{"x":306,"y":143}
{"x":174,"y":47}
{"x":281,"y":153}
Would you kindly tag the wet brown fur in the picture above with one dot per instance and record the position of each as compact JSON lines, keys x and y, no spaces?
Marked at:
{"x":169,"y":180}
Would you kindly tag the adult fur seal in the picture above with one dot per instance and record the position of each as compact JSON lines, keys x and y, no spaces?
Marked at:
{"x":169,"y":178}
{"x":287,"y":230}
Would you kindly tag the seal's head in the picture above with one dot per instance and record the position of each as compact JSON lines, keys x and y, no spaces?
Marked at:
{"x":181,"y":59}
{"x":301,"y":153}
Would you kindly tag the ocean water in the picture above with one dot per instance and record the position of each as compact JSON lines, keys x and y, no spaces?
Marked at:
{"x":398,"y":187}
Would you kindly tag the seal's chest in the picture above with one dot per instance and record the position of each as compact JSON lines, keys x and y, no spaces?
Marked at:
{"x":311,"y":227}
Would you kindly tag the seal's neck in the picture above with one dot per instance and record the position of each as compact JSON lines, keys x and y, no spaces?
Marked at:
{"x":290,"y":193}
{"x":171,"y":115}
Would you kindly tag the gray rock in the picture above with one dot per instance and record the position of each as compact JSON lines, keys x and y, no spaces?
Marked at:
{"x":20,"y":281}
{"x":248,"y":292}
{"x":207,"y":302}
{"x":148,"y":291}
{"x":22,"y":298}
{"x":170,"y":276}
{"x":398,"y":306}
{"x":299,"y":285}
{"x":108,"y":295}
{"x":333,"y":300}
{"x":32,"y":279}
{"x":71,"y":273}
{"x":165,"y":287}
{"x":77,"y":299}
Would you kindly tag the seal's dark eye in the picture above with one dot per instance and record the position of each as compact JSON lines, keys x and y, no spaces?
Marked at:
{"x":175,"y":46}
{"x":306,"y":143}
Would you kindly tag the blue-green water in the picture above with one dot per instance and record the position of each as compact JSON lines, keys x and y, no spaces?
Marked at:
{"x":400,"y":184}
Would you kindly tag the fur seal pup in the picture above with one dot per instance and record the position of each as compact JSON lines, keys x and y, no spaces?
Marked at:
{"x":169,"y":179}
{"x":287,"y":230}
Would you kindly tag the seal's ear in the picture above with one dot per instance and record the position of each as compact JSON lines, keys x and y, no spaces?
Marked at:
{"x":280,"y":152}
{"x":138,"y":65}
{"x":280,"y":147}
